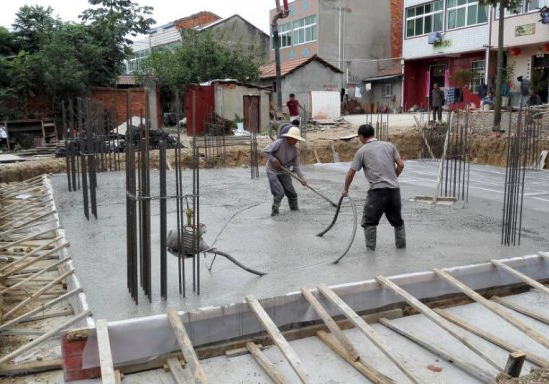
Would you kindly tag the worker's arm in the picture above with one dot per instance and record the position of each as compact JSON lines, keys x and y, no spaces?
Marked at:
{"x":399,"y":166}
{"x":269,"y":153}
{"x":348,"y":180}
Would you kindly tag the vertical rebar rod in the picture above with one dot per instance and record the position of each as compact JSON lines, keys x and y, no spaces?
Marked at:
{"x":163,"y":223}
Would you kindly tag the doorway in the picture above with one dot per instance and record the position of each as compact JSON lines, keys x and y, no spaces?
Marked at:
{"x":540,"y":76}
{"x":436,"y":75}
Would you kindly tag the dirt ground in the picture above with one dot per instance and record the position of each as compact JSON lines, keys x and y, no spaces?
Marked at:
{"x":536,"y":376}
{"x":485,"y":149}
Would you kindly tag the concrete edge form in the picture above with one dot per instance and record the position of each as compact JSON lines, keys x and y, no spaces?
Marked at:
{"x":142,"y":339}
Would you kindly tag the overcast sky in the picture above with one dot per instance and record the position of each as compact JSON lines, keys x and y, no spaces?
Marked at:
{"x":255,"y":11}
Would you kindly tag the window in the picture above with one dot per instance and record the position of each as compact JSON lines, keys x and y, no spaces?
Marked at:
{"x":535,"y":5}
{"x":478,"y":70}
{"x":387,"y":90}
{"x":423,"y":19}
{"x":298,"y":32}
{"x":524,"y":7}
{"x":461,"y":13}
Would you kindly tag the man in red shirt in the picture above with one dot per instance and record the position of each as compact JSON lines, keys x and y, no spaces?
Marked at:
{"x":293,"y":106}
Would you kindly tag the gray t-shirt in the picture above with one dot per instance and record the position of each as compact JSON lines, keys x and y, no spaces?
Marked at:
{"x":285,"y":153}
{"x":377,"y":158}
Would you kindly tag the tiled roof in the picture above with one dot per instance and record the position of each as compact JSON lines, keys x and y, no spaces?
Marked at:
{"x":268,"y":71}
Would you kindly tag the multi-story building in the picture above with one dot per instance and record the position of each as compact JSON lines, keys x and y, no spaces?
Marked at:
{"x":352,"y":35}
{"x":233,"y":30}
{"x":454,"y":43}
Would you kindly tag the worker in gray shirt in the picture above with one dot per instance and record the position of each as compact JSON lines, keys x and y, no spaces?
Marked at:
{"x":283,"y":153}
{"x":382,"y":165}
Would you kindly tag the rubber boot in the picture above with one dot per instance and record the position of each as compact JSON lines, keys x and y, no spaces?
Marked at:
{"x":400,"y":237}
{"x":293,"y":204}
{"x":370,"y":233}
{"x":274,"y":209}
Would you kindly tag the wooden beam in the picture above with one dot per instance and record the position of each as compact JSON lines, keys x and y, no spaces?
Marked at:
{"x":515,"y":363}
{"x":521,"y":276}
{"x":535,"y":335}
{"x":438,"y":320}
{"x":370,"y":333}
{"x":331,"y":324}
{"x":104,"y":348}
{"x":269,"y":368}
{"x":186,"y":347}
{"x":536,"y":359}
{"x":365,"y":369}
{"x":8,"y":269}
{"x":35,"y":275}
{"x":38,"y":293}
{"x":278,"y":339}
{"x":520,"y":309}
{"x":30,"y":368}
{"x":44,"y":337}
{"x":176,"y":370}
{"x":471,"y":369}
{"x":39,"y":309}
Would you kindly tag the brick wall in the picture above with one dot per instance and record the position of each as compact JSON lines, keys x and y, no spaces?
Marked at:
{"x":110,"y":97}
{"x":196,"y":20}
{"x":397,"y":7}
{"x":481,"y":122}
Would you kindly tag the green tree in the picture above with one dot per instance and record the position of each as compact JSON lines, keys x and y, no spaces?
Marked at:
{"x":501,"y":6}
{"x":201,"y":57}
{"x":33,"y":25}
{"x":71,"y":62}
{"x":23,"y":74}
{"x":111,"y":25}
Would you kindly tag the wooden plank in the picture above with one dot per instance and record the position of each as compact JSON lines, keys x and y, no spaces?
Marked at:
{"x":104,"y":348}
{"x":535,"y":335}
{"x":186,"y":347}
{"x":471,"y":369}
{"x":521,"y":276}
{"x":240,"y":351}
{"x":520,"y":309}
{"x":176,"y":370}
{"x":331,"y":324}
{"x":44,"y":337}
{"x":269,"y":368}
{"x":38,"y":293}
{"x":515,"y":363}
{"x":368,"y":331}
{"x":5,"y":271}
{"x":438,"y":320}
{"x":278,"y":338}
{"x":365,"y":369}
{"x":536,"y":359}
{"x":35,"y":275}
{"x":30,"y":368}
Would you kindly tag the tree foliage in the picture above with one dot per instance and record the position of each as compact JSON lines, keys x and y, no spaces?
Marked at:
{"x":201,"y":57}
{"x":111,"y":24}
{"x":33,"y":25}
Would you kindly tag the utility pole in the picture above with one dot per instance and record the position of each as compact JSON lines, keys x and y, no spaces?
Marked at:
{"x":280,"y":14}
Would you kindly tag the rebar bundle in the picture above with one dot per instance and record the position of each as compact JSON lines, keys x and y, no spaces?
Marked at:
{"x":522,"y":148}
{"x":456,"y":169}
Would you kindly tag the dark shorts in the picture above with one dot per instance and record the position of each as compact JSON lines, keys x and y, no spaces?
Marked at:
{"x":382,"y":201}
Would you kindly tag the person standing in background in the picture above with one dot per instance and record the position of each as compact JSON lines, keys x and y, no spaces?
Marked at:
{"x":437,"y":100}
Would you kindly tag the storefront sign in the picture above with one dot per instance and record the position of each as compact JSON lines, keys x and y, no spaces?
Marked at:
{"x":443,"y":44}
{"x":526,"y":29}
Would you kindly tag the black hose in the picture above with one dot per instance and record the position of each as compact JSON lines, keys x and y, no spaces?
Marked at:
{"x":216,"y":252}
{"x":320,"y":234}
{"x":354,"y":231}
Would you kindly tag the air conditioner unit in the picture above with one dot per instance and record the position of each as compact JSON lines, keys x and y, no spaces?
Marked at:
{"x":434,"y":37}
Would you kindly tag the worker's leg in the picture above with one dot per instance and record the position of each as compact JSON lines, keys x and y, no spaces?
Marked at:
{"x":277,"y":190}
{"x":439,"y":111}
{"x":373,"y":209}
{"x":289,"y":191}
{"x":393,"y":213}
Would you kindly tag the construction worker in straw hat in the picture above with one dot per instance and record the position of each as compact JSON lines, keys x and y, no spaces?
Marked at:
{"x":282,"y":153}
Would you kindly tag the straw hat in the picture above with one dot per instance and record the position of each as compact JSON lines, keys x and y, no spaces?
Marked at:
{"x":294,"y":134}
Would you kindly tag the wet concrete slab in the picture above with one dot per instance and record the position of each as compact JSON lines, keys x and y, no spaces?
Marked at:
{"x":236,"y":211}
